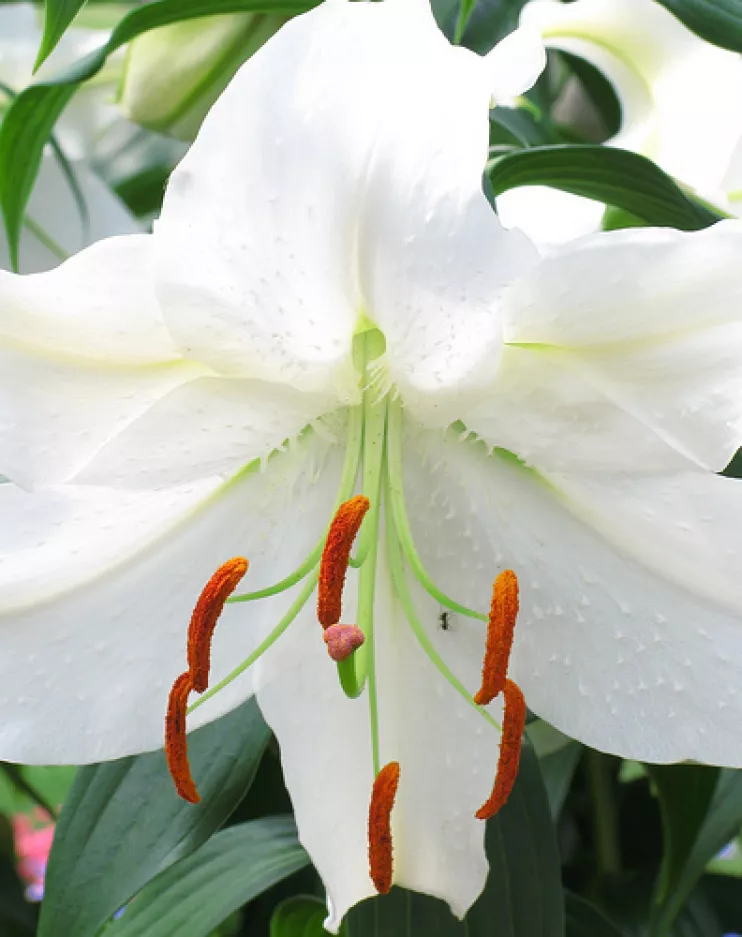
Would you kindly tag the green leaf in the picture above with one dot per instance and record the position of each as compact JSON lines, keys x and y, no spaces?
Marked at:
{"x":301,"y":916}
{"x":720,"y":824}
{"x":610,"y":175}
{"x":522,"y":897}
{"x":31,"y":116}
{"x":123,"y":823}
{"x":585,"y":920}
{"x":718,"y":21}
{"x":557,"y":771}
{"x":684,"y":793}
{"x":197,"y":893}
{"x":58,"y":14}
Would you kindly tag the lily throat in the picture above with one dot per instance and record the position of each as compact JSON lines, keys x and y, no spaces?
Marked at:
{"x":371,"y":484}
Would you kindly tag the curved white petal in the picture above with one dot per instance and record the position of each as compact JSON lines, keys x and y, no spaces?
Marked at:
{"x":447,"y":754}
{"x":272,"y":247}
{"x":84,"y":353}
{"x":209,"y":426}
{"x":629,"y":636}
{"x":515,"y":64}
{"x":675,"y":89}
{"x":54,"y":226}
{"x":98,"y":586}
{"x":623,"y":350}
{"x":732,"y":182}
{"x":549,"y":216}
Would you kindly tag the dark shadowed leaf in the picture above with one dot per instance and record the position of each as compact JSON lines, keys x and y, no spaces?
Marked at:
{"x":585,"y":920}
{"x":718,"y":21}
{"x":721,"y":823}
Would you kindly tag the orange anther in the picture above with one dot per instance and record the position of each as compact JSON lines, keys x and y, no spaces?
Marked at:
{"x":503,"y":612}
{"x":379,"y":826}
{"x":514,"y":722}
{"x":335,"y":558}
{"x":205,"y":616}
{"x":176,"y":745}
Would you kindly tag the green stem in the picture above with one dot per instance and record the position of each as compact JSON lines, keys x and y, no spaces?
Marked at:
{"x":600,"y":777}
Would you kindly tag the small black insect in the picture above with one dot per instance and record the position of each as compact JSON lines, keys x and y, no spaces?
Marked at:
{"x":444,"y":621}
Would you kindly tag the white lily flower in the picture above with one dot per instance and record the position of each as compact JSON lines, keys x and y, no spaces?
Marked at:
{"x":55,"y":227}
{"x":328,"y":306}
{"x":680,"y":97}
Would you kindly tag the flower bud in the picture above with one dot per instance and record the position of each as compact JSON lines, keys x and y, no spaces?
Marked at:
{"x":174,"y":74}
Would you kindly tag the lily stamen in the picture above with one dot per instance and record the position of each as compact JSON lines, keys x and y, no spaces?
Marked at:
{"x":205,"y":615}
{"x":500,"y":632}
{"x":514,"y":721}
{"x":335,"y":558}
{"x":176,"y":743}
{"x":379,"y":826}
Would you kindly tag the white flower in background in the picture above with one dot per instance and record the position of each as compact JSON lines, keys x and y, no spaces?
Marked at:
{"x":173,"y":75}
{"x":680,"y":97}
{"x":55,"y":226}
{"x":328,"y":307}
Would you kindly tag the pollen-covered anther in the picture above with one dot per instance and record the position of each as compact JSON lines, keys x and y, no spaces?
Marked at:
{"x":500,"y":631}
{"x":343,"y":640}
{"x":205,"y":615}
{"x":335,"y":558}
{"x":379,"y":827}
{"x":513,"y":723}
{"x":176,"y":745}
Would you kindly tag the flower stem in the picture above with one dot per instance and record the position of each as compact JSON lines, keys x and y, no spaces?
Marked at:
{"x":600,"y":778}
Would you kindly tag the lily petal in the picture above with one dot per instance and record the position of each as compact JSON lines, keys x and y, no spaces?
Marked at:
{"x":549,"y":216}
{"x":84,"y":352}
{"x":269,"y":254}
{"x":636,"y":364}
{"x":98,"y":587}
{"x":209,"y":426}
{"x":447,"y":754}
{"x":515,"y":64}
{"x":628,"y":636}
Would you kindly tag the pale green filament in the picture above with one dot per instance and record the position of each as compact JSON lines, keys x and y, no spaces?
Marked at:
{"x":345,"y":489}
{"x":361,"y":666}
{"x":374,"y":442}
{"x":288,"y":618}
{"x":405,"y":600}
{"x":395,"y":490}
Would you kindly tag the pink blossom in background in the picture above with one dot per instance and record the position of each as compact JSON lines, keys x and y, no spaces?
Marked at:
{"x":33,"y":835}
